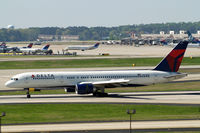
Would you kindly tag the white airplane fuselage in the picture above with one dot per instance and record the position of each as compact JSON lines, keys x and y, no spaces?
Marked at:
{"x":65,"y":79}
{"x":34,"y":50}
{"x":29,"y":50}
{"x":83,"y":48}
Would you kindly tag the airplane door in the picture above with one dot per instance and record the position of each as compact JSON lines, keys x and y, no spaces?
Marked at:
{"x":61,"y":79}
{"x":26,"y":80}
{"x":155,"y":78}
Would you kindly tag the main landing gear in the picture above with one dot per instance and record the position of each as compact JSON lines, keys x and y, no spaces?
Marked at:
{"x":100,"y":93}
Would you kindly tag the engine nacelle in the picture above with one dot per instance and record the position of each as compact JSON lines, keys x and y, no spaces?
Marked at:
{"x":84,"y":88}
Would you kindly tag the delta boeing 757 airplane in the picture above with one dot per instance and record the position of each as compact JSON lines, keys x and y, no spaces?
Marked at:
{"x":95,"y":82}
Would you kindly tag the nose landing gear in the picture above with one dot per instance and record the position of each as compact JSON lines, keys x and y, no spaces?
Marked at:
{"x":27,"y":93}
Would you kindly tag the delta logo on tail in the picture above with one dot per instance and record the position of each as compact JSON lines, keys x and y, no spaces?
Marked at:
{"x":96,"y":45}
{"x":30,"y":45}
{"x":172,"y":62}
{"x":46,"y":47}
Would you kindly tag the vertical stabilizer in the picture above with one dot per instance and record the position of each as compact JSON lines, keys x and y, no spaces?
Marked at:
{"x":190,"y":37}
{"x":172,"y":61}
{"x":46,"y":47}
{"x":30,"y":45}
{"x":96,"y":45}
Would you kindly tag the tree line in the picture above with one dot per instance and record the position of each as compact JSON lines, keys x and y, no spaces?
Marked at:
{"x":96,"y":33}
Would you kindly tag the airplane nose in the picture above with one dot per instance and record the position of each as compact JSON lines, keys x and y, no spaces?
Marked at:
{"x":9,"y":83}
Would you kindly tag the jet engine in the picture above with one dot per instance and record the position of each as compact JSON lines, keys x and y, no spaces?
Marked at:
{"x":84,"y":88}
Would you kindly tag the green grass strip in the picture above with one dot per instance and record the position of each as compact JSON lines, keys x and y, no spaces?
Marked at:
{"x":86,"y":63}
{"x":38,"y":113}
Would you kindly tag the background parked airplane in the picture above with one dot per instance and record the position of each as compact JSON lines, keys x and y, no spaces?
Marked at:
{"x":82,"y":48}
{"x":3,"y":44}
{"x":192,"y":39}
{"x":7,"y":49}
{"x":96,"y":81}
{"x":193,"y":42}
{"x":34,"y":50}
{"x":29,"y":46}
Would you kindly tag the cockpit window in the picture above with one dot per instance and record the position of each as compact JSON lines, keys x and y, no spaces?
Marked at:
{"x":14,"y":79}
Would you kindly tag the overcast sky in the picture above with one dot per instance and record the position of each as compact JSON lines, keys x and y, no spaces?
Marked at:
{"x":64,"y":13}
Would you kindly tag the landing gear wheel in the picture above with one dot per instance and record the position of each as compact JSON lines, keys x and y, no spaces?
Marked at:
{"x":28,"y":94}
{"x":98,"y":94}
{"x":105,"y":94}
{"x":94,"y":94}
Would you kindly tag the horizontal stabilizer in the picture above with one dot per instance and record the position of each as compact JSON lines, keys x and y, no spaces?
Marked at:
{"x":177,"y":76}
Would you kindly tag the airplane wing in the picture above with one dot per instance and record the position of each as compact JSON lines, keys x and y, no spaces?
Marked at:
{"x":109,"y":83}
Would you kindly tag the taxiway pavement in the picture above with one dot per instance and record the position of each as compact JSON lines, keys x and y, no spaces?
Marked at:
{"x":103,"y":126}
{"x":175,"y":98}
